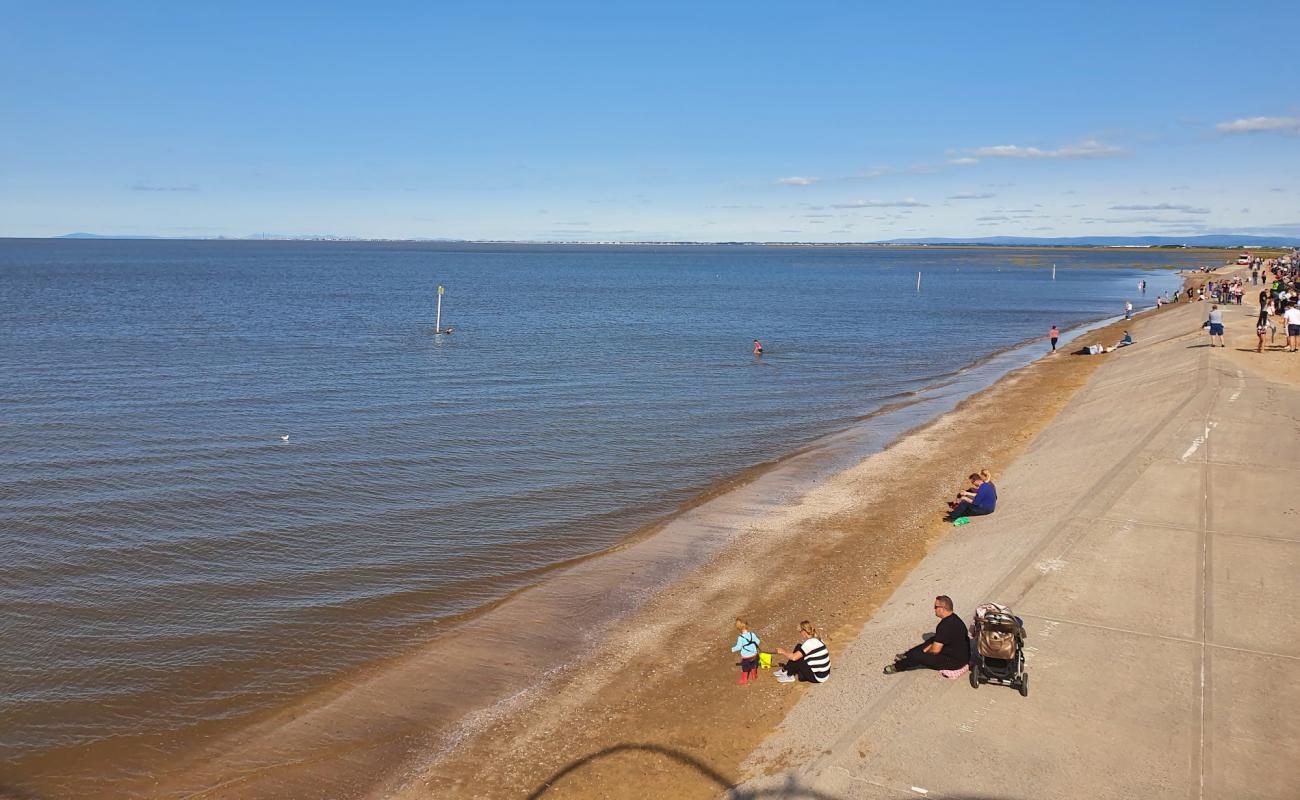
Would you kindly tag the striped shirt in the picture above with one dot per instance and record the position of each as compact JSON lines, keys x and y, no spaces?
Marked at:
{"x":817,"y":657}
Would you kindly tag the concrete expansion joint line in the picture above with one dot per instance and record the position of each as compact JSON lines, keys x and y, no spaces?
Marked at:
{"x":912,"y":792}
{"x":1161,"y":637}
{"x":1204,"y":618}
{"x":1169,"y":526}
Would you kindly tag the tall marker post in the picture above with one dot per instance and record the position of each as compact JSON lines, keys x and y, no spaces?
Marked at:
{"x":437,"y":324}
{"x":1053,"y":272}
{"x":918,"y":282}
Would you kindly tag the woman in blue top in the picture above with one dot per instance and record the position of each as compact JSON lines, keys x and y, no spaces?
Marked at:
{"x":984,"y":501}
{"x":747,"y":646}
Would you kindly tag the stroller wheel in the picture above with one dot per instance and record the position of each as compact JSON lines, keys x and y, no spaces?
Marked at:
{"x":1024,"y":685}
{"x":974,"y":679}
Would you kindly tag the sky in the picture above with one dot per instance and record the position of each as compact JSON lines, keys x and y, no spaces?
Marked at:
{"x":720,"y":121}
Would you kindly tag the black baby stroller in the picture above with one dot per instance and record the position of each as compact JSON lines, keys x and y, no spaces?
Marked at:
{"x":998,"y":654}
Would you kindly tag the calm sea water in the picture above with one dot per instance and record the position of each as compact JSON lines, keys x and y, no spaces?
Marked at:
{"x":169,"y":558}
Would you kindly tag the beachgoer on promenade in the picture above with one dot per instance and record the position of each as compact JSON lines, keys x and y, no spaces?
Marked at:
{"x":1292,"y":317}
{"x":949,"y":649}
{"x":1261,"y":329}
{"x":984,"y":501}
{"x":758,"y":348}
{"x":747,"y":645}
{"x":1215,"y":323}
{"x":809,"y":662}
{"x":1054,"y":334}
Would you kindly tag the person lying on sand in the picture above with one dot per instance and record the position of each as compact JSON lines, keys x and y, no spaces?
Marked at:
{"x":949,"y":649}
{"x":809,"y":662}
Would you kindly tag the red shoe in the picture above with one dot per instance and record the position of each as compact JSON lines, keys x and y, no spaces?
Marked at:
{"x":744,"y":679}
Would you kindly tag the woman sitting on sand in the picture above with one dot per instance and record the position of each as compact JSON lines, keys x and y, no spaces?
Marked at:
{"x":984,"y":501}
{"x":809,"y":662}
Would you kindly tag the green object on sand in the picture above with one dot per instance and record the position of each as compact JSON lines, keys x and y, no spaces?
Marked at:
{"x":960,"y":521}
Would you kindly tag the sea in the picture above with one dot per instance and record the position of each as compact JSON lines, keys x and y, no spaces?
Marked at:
{"x":231,"y":471}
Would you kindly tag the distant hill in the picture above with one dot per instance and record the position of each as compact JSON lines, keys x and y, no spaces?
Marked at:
{"x":1207,"y":240}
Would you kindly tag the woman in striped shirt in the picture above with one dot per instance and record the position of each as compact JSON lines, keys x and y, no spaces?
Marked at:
{"x":809,"y":662}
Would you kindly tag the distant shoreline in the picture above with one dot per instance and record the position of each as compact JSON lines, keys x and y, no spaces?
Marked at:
{"x":1220,"y":244}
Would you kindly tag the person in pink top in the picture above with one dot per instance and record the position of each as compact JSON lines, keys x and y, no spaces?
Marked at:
{"x":1054,"y":334}
{"x":758,"y":348}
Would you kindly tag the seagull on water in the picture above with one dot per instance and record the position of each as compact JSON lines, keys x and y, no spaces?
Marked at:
{"x":284,"y":438}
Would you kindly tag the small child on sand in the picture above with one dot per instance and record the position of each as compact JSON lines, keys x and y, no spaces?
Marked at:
{"x":747,"y":646}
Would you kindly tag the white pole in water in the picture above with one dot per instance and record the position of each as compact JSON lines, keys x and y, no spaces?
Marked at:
{"x":918,"y":281}
{"x":1053,"y":272}
{"x":437,"y":325}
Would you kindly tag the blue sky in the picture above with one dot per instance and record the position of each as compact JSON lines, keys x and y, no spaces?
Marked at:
{"x":605,"y":121}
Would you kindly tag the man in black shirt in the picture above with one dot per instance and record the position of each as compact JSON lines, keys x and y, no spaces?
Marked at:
{"x":949,"y":649}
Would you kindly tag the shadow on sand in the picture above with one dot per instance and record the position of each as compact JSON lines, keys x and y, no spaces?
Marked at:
{"x":792,"y":787}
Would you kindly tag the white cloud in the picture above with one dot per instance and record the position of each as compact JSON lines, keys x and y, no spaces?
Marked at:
{"x":1089,"y":149}
{"x":874,"y":172}
{"x":910,"y":202}
{"x":797,"y":180}
{"x":964,"y":160}
{"x":1286,"y":125}
{"x":970,"y":196}
{"x":1130,"y":220}
{"x":1186,"y":209}
{"x":149,"y":187}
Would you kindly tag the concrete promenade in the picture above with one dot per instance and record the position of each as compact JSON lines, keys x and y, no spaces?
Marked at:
{"x":1150,"y":539}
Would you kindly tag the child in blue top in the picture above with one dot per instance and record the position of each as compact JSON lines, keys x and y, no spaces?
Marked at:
{"x":747,"y":646}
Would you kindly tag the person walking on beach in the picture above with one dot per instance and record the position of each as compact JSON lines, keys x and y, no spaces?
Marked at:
{"x":809,"y":662}
{"x":758,"y":348}
{"x":747,"y":646}
{"x":948,"y":649}
{"x":1128,"y":310}
{"x":1054,"y":334}
{"x":1261,"y":329}
{"x":1215,"y":323}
